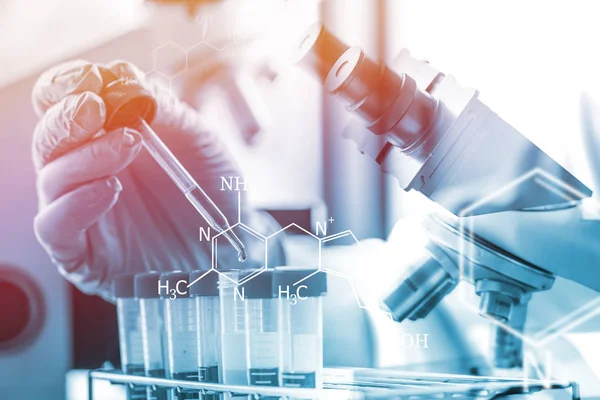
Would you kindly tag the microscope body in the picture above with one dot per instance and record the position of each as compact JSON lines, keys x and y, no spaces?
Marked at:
{"x":516,"y":218}
{"x":506,"y":202}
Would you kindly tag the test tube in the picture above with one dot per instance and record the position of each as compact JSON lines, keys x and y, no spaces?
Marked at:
{"x":153,"y":332}
{"x":261,"y":328}
{"x":233,"y":329}
{"x":130,"y":332}
{"x":300,"y":321}
{"x":205,"y":293}
{"x":180,"y":323}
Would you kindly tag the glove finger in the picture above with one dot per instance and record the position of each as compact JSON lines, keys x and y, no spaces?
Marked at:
{"x":73,"y":77}
{"x":124,"y":69}
{"x":102,"y":157}
{"x":66,"y":125}
{"x":60,"y":227}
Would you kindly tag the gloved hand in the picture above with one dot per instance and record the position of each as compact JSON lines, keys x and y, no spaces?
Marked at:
{"x":105,"y":206}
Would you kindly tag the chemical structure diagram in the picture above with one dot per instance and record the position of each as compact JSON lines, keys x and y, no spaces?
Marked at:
{"x":320,"y":237}
{"x":170,"y":59}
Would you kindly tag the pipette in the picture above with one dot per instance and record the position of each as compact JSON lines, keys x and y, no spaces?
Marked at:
{"x":128,"y":104}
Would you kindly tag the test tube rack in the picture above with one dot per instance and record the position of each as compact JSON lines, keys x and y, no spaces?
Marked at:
{"x":362,"y":383}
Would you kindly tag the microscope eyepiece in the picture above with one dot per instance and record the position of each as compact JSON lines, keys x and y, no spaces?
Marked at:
{"x":391,"y":103}
{"x":318,"y":50}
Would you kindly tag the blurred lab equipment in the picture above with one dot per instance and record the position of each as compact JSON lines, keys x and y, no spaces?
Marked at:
{"x":260,"y":309}
{"x":154,"y":338}
{"x":440,"y":140}
{"x":34,"y":329}
{"x":130,"y":331}
{"x":234,"y":80}
{"x":128,"y":104}
{"x":24,"y":309}
{"x":181,"y":331}
{"x":300,"y":325}
{"x":205,"y":292}
{"x":228,"y":64}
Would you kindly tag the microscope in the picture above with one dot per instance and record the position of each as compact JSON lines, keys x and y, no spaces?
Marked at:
{"x":513,"y":218}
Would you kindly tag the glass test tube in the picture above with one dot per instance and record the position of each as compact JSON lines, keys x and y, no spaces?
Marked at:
{"x":300,"y":325}
{"x":261,"y":329}
{"x":153,"y":331}
{"x":233,"y":330}
{"x":130,"y":332}
{"x":180,"y":324}
{"x":205,"y":293}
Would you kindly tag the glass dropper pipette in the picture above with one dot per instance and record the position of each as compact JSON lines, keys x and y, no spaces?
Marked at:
{"x":129,"y":104}
{"x":188,"y":186}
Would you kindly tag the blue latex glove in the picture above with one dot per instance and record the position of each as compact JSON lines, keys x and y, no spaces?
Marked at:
{"x":105,"y":206}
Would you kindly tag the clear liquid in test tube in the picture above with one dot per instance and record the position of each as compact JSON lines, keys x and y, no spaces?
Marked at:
{"x":300,"y":326}
{"x":180,"y":324}
{"x":233,"y":331}
{"x":130,"y":332}
{"x":153,"y":331}
{"x":205,"y":293}
{"x":262,"y":346}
